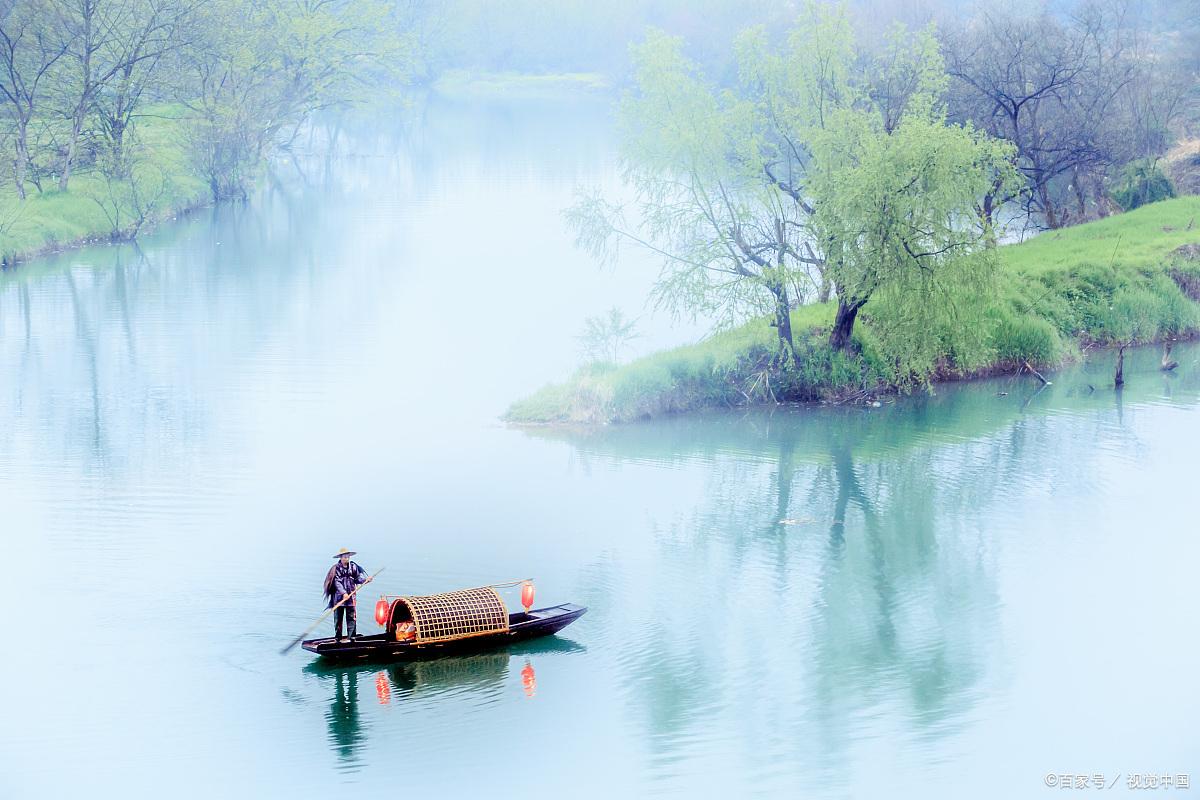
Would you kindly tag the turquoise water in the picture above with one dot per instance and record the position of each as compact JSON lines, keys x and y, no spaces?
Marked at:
{"x":945,"y":596}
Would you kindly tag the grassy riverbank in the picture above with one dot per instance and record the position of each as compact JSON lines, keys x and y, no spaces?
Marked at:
{"x":162,"y":184}
{"x":1131,"y":278}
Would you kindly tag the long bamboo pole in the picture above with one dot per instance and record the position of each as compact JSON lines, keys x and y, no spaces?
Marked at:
{"x":328,"y":611}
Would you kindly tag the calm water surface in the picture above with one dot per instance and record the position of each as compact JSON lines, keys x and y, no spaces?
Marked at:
{"x":945,"y":596}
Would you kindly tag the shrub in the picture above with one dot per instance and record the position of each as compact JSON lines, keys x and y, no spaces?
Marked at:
{"x":1142,"y":182}
{"x":1018,"y":338}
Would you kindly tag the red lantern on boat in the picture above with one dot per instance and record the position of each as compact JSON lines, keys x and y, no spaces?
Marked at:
{"x":381,"y":611}
{"x":527,"y":595}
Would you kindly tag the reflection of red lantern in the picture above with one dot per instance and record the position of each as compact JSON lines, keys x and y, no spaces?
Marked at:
{"x":381,"y":611}
{"x":382,"y":689}
{"x":529,"y":680}
{"x":527,"y":595}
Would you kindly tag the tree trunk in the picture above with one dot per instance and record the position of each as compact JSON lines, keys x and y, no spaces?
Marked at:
{"x":1080,"y":195}
{"x":116,"y":120}
{"x":783,"y":321}
{"x":22,"y":162}
{"x":988,"y":210}
{"x":87,"y":43}
{"x":1052,"y":220}
{"x":825,"y":288}
{"x":72,"y":145}
{"x":843,"y":324}
{"x":1104,"y":203}
{"x":1119,"y":378}
{"x":116,"y":140}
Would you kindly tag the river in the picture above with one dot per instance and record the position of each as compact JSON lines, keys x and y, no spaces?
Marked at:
{"x":950,"y":595}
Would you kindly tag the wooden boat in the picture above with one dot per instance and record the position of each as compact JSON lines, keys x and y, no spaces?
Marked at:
{"x":431,"y":626}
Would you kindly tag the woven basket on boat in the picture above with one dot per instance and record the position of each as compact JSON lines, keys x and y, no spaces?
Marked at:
{"x":457,"y":615}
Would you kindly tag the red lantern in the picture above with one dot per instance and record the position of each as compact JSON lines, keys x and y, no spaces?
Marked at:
{"x":527,"y":595}
{"x":381,"y":611}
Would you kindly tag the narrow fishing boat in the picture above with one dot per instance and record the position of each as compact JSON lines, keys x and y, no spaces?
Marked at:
{"x":431,"y":626}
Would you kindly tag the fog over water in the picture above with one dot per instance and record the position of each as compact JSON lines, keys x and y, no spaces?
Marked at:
{"x":949,"y":595}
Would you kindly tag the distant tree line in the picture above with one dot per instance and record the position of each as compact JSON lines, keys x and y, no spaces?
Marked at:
{"x":77,"y":76}
{"x":1092,"y":93}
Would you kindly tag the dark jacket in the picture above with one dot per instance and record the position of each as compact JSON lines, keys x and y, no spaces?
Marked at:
{"x":341,"y":580}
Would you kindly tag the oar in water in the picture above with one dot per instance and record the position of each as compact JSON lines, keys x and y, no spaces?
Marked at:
{"x":328,"y":611}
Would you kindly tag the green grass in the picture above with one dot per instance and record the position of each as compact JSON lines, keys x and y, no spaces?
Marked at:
{"x":1117,"y":280}
{"x":961,"y":414}
{"x":1114,"y":280}
{"x":729,"y":368}
{"x":1140,"y":239}
{"x":52,"y":219}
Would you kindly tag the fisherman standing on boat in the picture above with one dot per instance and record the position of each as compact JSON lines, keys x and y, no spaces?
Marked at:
{"x":343,"y":578}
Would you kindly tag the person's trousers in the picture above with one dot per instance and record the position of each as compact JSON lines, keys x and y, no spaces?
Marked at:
{"x":351,"y":616}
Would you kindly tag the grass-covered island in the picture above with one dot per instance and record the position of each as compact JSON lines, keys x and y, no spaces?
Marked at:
{"x":839,"y":199}
{"x":1133,"y":278}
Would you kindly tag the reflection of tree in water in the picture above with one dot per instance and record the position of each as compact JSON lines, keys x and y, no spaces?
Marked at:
{"x":900,"y":597}
{"x":826,"y":587}
{"x":131,"y":309}
{"x":839,"y":579}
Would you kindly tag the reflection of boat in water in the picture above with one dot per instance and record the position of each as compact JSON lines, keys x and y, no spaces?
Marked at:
{"x":450,"y":672}
{"x":458,"y":673}
{"x":453,"y":674}
{"x":396,"y":683}
{"x":433,"y":626}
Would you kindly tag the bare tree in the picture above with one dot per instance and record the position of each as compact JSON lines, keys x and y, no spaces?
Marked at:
{"x":32,"y":42}
{"x":153,"y":30}
{"x":112,"y":42}
{"x":1154,"y":98}
{"x":261,"y":69}
{"x":1046,"y":86}
{"x":132,"y":200}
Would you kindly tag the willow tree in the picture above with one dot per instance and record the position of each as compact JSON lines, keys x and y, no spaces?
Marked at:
{"x":33,"y":44}
{"x":731,"y":242}
{"x":864,"y":143}
{"x":894,"y":215}
{"x":825,"y":169}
